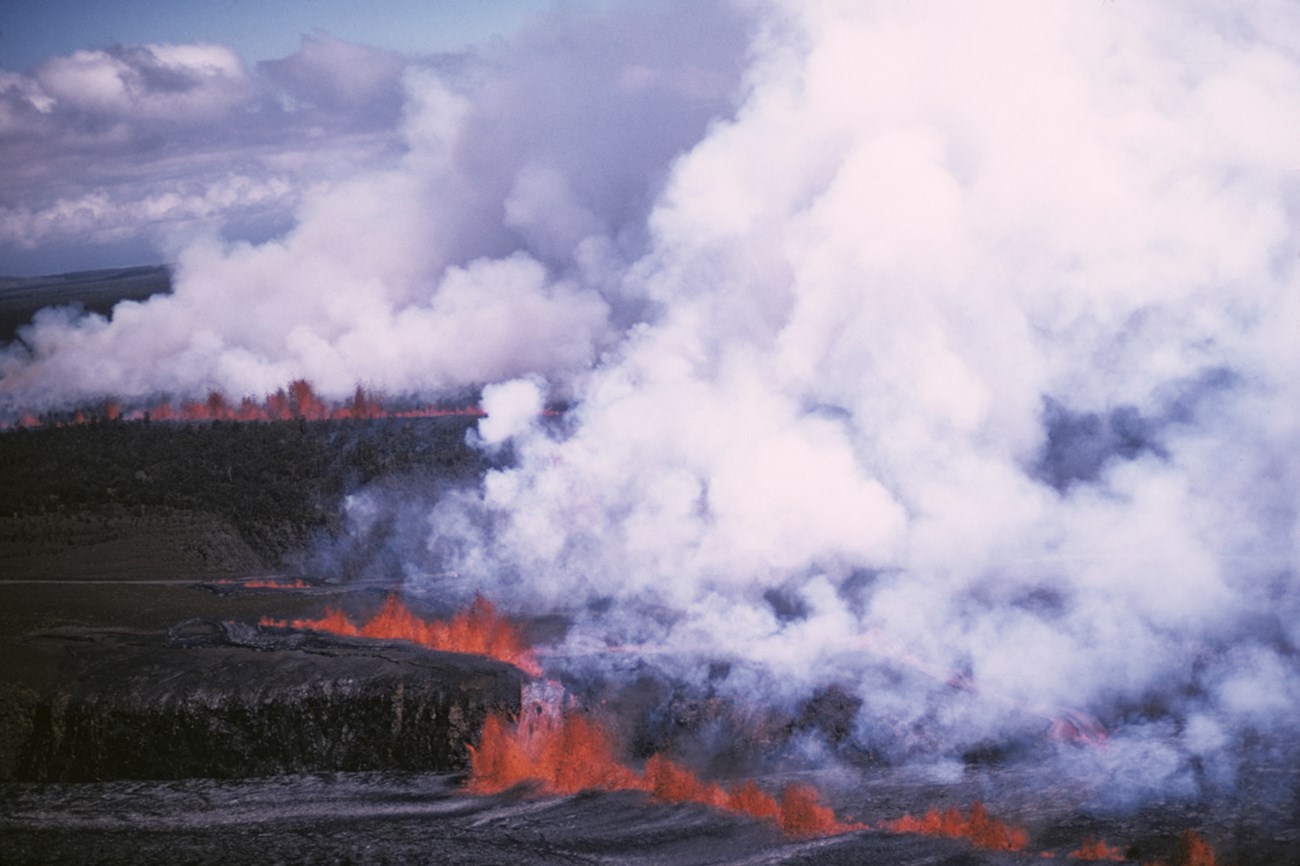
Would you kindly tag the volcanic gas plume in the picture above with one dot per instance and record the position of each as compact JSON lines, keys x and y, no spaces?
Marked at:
{"x":943,"y":355}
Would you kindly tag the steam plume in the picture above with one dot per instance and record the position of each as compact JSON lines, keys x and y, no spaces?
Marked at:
{"x":960,"y":347}
{"x":973,"y":351}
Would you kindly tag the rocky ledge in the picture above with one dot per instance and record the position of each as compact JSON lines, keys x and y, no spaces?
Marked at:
{"x":222,"y":700}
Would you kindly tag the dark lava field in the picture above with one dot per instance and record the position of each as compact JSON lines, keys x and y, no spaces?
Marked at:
{"x":146,"y":718}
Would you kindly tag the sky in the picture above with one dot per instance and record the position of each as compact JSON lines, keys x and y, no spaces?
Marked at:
{"x":957,"y":333}
{"x":101,"y":170}
{"x":32,"y":31}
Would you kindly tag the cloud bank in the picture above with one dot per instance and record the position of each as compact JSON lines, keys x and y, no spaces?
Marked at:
{"x":110,"y":153}
{"x":941,"y":355}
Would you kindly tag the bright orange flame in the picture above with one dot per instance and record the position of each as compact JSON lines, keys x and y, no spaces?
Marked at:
{"x":1097,"y":850}
{"x":1193,"y":850}
{"x":569,"y":752}
{"x":977,"y":828}
{"x":478,"y":630}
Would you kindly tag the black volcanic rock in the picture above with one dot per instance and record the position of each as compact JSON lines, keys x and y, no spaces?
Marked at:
{"x":87,"y":291}
{"x":229,"y":702}
{"x":205,"y":499}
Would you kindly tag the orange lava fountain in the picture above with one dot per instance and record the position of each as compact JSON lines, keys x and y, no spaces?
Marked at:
{"x":1094,"y":850}
{"x":298,"y":400}
{"x":976,"y":827}
{"x":267,"y":583}
{"x":478,"y":629}
{"x":565,"y":753}
{"x":1193,"y":851}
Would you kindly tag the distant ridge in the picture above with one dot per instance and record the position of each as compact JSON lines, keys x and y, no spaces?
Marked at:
{"x":95,"y":291}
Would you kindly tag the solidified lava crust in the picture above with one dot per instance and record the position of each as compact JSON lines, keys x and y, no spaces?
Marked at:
{"x":132,"y":707}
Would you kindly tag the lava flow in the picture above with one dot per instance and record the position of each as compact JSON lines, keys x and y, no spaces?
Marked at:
{"x":477,"y":629}
{"x":267,"y":583}
{"x":565,"y":753}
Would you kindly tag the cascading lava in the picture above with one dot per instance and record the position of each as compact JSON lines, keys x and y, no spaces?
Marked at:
{"x":566,"y":752}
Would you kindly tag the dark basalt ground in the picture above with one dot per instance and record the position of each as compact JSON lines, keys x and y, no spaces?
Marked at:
{"x":91,"y":291}
{"x":167,"y":500}
{"x":411,"y":819}
{"x":225,"y":700}
{"x":226,"y":743}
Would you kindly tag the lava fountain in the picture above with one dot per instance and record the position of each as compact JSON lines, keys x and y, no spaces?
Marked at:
{"x":478,"y":630}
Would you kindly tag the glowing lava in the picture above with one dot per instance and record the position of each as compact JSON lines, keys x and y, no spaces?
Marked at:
{"x":298,"y":400}
{"x":1193,"y":851}
{"x":477,"y":629}
{"x":1094,"y":850}
{"x":976,"y":827}
{"x":565,"y":752}
{"x":267,"y":583}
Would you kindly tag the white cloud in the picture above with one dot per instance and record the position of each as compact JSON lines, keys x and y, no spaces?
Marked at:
{"x":160,"y":82}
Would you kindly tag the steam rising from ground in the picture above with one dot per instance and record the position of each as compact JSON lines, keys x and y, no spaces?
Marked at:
{"x":976,"y":348}
{"x":963,"y":347}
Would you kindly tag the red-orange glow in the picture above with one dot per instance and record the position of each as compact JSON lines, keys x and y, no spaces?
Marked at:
{"x":568,"y":752}
{"x":268,"y":583}
{"x":1096,"y":850}
{"x":478,"y":630}
{"x":298,"y":400}
{"x":1193,"y":851}
{"x":977,"y":828}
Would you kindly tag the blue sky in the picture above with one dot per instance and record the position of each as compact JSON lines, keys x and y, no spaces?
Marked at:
{"x":33,"y":30}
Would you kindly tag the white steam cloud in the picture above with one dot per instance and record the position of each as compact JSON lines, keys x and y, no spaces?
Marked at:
{"x":977,"y":348}
{"x":960,"y":348}
{"x":490,"y":248}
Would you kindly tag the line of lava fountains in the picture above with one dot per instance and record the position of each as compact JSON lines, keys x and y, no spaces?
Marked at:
{"x":478,"y":630}
{"x":297,"y":401}
{"x":560,"y":749}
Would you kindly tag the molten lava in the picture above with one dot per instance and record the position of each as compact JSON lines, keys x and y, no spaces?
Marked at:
{"x":298,"y":400}
{"x":276,"y":584}
{"x":478,"y":629}
{"x":1094,"y":850}
{"x":569,"y":752}
{"x":977,"y":828}
{"x":1193,"y":851}
{"x":268,"y":583}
